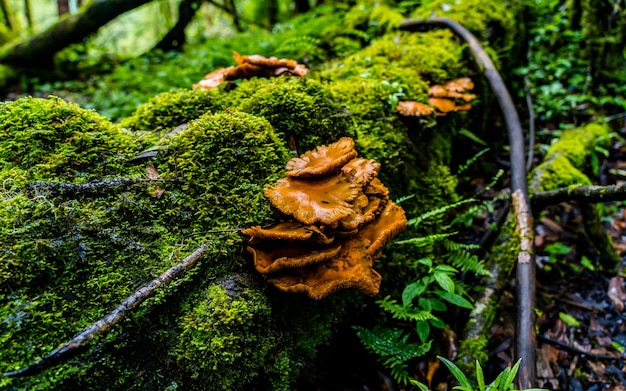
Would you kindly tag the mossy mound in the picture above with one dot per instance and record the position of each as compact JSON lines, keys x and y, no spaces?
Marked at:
{"x":167,"y":110}
{"x":47,"y":137}
{"x":303,"y":110}
{"x":567,"y":160}
{"x":223,"y":162}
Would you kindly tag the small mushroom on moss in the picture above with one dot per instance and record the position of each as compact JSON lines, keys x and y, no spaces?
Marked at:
{"x":445,"y":106}
{"x":411,"y":108}
{"x":250,"y":66}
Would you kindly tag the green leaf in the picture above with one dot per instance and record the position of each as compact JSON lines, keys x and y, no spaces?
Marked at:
{"x":411,"y":291}
{"x":456,"y":372}
{"x":431,"y":304}
{"x":444,"y":281}
{"x":423,"y":329}
{"x":445,"y":268}
{"x":455,"y":299}
{"x":480,"y":377}
{"x":510,"y":376}
{"x":569,"y":319}
{"x":436,"y":322}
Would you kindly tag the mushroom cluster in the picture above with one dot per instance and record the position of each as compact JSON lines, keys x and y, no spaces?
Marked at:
{"x":442,"y":99}
{"x":338,"y":218}
{"x":250,"y":66}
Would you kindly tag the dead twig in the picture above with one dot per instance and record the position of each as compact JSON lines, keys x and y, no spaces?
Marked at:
{"x":104,"y":325}
{"x":525,"y":327}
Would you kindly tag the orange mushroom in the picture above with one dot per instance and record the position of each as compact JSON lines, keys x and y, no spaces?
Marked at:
{"x":333,"y":196}
{"x":351,"y":268}
{"x":280,"y":256}
{"x":324,"y":160}
{"x":380,"y":231}
{"x":459,"y":85}
{"x":288,"y":230}
{"x":361,"y":170}
{"x":445,"y":106}
{"x":325,"y":200}
{"x":250,"y":66}
{"x":411,"y":108}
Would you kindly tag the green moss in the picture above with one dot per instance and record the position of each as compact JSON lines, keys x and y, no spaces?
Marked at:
{"x":167,"y":110}
{"x":224,"y":339}
{"x":302,"y":108}
{"x":51,"y":136}
{"x":577,"y":144}
{"x":479,"y":16}
{"x":223,"y":162}
{"x":556,"y":173}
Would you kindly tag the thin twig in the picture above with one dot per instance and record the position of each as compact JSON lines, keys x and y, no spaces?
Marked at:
{"x":525,"y":326}
{"x":575,"y":350}
{"x":104,"y":325}
{"x":75,"y":188}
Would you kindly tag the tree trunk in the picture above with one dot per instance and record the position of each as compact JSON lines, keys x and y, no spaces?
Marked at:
{"x":302,"y":6}
{"x":63,"y":7}
{"x":29,"y":14}
{"x":175,"y":38}
{"x":40,"y":49}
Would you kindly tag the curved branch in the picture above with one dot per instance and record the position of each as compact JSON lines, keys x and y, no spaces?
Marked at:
{"x":77,"y":344}
{"x":525,"y":327}
{"x":593,"y":194}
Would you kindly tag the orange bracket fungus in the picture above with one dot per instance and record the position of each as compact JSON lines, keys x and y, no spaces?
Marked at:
{"x":442,"y":98}
{"x":250,"y":66}
{"x":338,"y":217}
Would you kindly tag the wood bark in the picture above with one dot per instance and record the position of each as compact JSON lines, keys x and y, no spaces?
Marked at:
{"x":63,"y":7}
{"x":175,"y":39}
{"x":38,"y":50}
{"x":526,"y":339}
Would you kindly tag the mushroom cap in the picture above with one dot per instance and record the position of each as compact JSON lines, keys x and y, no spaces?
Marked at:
{"x":288,"y":230}
{"x":379,"y":232}
{"x":445,"y":106}
{"x":325,"y":200}
{"x":282,"y":256}
{"x":351,"y":268}
{"x":361,"y":170}
{"x":409,"y":108}
{"x":438,"y":91}
{"x":213,"y":79}
{"x":459,"y":85}
{"x":324,"y":160}
{"x":362,"y":214}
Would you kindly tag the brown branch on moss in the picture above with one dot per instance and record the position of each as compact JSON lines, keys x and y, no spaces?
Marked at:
{"x":590,"y":194}
{"x":85,"y":188}
{"x":525,"y":326}
{"x":77,"y":344}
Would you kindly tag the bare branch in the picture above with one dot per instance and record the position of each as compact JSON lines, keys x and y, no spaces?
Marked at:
{"x":104,"y":325}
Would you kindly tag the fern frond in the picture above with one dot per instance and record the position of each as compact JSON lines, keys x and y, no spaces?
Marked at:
{"x":466,"y":262}
{"x":451,"y":245}
{"x":471,"y":161}
{"x":431,"y":213}
{"x":393,"y":349}
{"x":401,"y":312}
{"x":426,"y":240}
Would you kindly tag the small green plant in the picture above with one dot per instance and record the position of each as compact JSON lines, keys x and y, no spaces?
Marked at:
{"x":503,"y":382}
